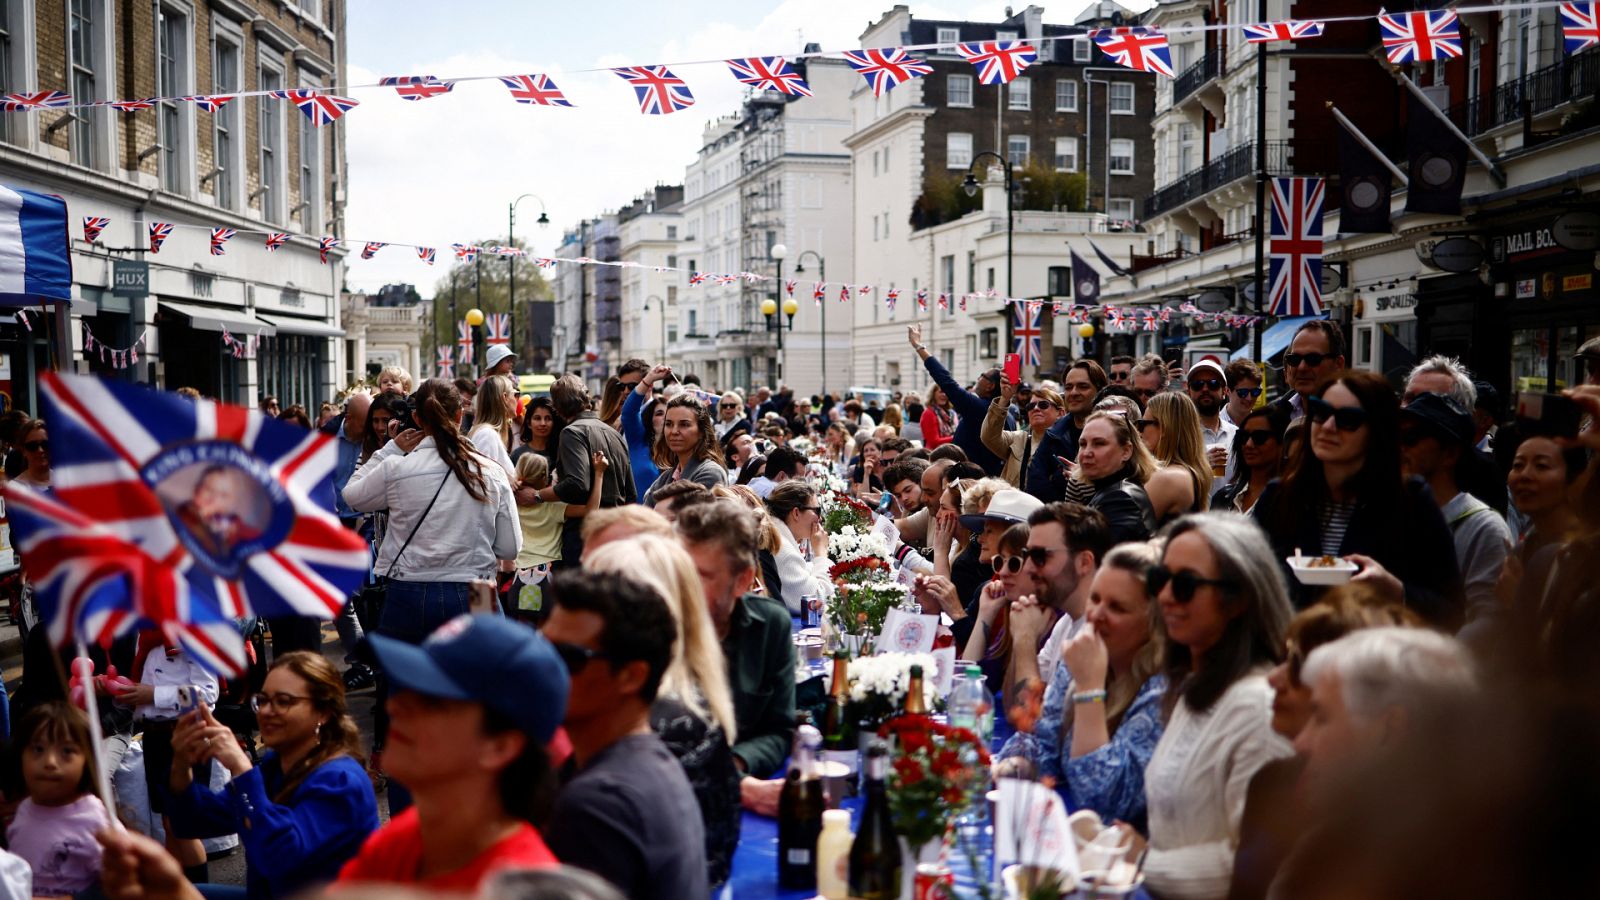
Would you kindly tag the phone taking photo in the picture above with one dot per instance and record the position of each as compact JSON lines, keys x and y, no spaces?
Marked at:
{"x":1013,"y":368}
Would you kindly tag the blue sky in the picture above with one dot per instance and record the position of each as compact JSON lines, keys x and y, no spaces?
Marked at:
{"x":442,"y":170}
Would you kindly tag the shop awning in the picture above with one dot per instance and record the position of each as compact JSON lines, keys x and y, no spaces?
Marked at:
{"x":216,"y":318}
{"x":1275,"y":339}
{"x":292,"y":325}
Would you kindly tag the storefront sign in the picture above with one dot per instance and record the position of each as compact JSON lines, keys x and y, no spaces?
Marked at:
{"x":1577,"y":230}
{"x":1331,"y":279}
{"x":1394,"y":304}
{"x":1574,"y":283}
{"x":1457,"y":254}
{"x":1527,"y":288}
{"x":130,"y":279}
{"x":1212,"y":301}
{"x":1525,"y":244}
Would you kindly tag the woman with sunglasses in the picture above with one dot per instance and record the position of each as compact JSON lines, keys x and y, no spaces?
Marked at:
{"x":1182,"y":481}
{"x":1244,"y":387}
{"x":1344,"y":496}
{"x":1016,"y":448}
{"x":990,"y":642}
{"x":306,"y":808}
{"x":730,"y":414}
{"x":803,"y":555}
{"x":1225,"y":608}
{"x":1258,"y":451}
{"x":1115,"y":462}
{"x":938,"y":419}
{"x":687,"y":449}
{"x":35,"y":444}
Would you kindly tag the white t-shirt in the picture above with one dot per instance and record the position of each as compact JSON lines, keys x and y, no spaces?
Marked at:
{"x":1065,"y":630}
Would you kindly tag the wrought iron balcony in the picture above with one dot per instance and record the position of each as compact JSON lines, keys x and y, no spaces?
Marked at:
{"x":1573,"y":78}
{"x":1240,"y":162}
{"x":1201,"y":71}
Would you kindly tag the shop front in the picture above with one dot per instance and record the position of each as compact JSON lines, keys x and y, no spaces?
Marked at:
{"x":295,"y":364}
{"x":194,"y":354}
{"x":1384,"y":331}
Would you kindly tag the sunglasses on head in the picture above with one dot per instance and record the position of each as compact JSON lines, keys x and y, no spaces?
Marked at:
{"x":574,"y":656}
{"x":1012,"y":564}
{"x":1313,"y":360}
{"x":1206,"y":384}
{"x":1345,"y":418}
{"x":36,"y":446}
{"x":1184,"y":583}
{"x":1260,"y":436}
{"x":1248,"y":393}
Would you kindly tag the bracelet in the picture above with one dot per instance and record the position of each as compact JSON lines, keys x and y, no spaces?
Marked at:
{"x":1089,"y":697}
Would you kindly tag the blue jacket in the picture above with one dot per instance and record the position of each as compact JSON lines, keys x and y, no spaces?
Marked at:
{"x":972,"y":409}
{"x":645,"y":470}
{"x":289,"y":847}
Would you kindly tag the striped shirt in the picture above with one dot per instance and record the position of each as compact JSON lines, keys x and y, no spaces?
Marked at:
{"x":1335,"y":518}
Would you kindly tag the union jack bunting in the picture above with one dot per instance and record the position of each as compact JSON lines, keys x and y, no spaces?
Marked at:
{"x":497,"y":328}
{"x":1025,"y":332}
{"x":769,"y":73}
{"x":425,"y":254}
{"x":788,"y":287}
{"x":1055,"y":309}
{"x":962,"y":303}
{"x":447,"y":362}
{"x":864,"y":290}
{"x":844,"y":293}
{"x":219,"y":237}
{"x":92,"y":226}
{"x":1138,"y":47}
{"x":922,"y":299}
{"x":325,"y":245}
{"x":1420,"y":36}
{"x":545,"y":262}
{"x":466,"y":253}
{"x":131,"y":105}
{"x":276,"y":239}
{"x":660,"y":92}
{"x":35,"y":100}
{"x":885,"y":68}
{"x":159,"y":232}
{"x":1281,"y":31}
{"x":371,"y":249}
{"x":998,"y":62}
{"x":417,"y":87}
{"x":535,"y":90}
{"x":1580,"y":26}
{"x":944,"y":302}
{"x":320,"y":108}
{"x":724,"y":279}
{"x":464,"y":341}
{"x":212,"y":103}
{"x":1294,"y":247}
{"x":890,"y":297}
{"x":817,"y":290}
{"x":697,"y":278}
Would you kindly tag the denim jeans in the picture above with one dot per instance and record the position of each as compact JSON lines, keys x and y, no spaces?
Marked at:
{"x":412,"y":610}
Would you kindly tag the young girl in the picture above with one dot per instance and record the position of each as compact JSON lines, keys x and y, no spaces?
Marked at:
{"x":541,"y":530}
{"x":55,"y":825}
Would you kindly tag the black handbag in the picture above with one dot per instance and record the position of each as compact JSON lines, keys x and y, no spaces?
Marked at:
{"x":372,"y":595}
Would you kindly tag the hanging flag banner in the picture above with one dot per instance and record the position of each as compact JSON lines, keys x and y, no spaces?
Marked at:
{"x":35,"y":257}
{"x":275,"y":240}
{"x":1281,"y":31}
{"x":425,"y":254}
{"x":1026,"y":335}
{"x":219,"y":238}
{"x":998,"y":62}
{"x":1580,"y":26}
{"x":1139,"y":48}
{"x":417,"y":87}
{"x":324,"y":246}
{"x":159,"y":232}
{"x":497,"y":328}
{"x":922,"y":300}
{"x":1420,"y":36}
{"x":464,"y":341}
{"x":1085,"y":280}
{"x":371,"y":249}
{"x":890,"y":297}
{"x":213,"y":103}
{"x":1294,"y":246}
{"x":884,"y":68}
{"x":534,"y":90}
{"x":320,"y":108}
{"x":769,"y":73}
{"x":447,"y":362}
{"x":659,"y":91}
{"x":92,"y":226}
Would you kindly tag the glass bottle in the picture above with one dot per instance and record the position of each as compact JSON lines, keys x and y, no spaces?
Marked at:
{"x":800,"y":807}
{"x":875,"y":853}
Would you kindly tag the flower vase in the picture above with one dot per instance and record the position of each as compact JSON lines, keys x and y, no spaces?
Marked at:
{"x":911,"y":857}
{"x":853,"y":643}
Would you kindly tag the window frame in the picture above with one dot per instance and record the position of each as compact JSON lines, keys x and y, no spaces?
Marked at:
{"x":950,"y":83}
{"x":950,"y":160}
{"x":946,"y":36}
{"x":1056,"y":157}
{"x":309,"y":182}
{"x":1132,"y":147}
{"x":175,"y":123}
{"x":228,"y":183}
{"x":1132,"y":98}
{"x":1067,"y":83}
{"x":1026,"y":94}
{"x":1027,"y":149}
{"x":274,"y":196}
{"x":1082,"y":50}
{"x":91,"y":139}
{"x":1132,"y":209}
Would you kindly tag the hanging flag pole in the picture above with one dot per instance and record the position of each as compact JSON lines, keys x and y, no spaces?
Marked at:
{"x":1495,"y":171}
{"x":1372,"y":148}
{"x":1261,"y":186}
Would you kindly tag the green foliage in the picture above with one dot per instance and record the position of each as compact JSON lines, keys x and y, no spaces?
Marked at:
{"x":1040,"y":187}
{"x":489,"y":278}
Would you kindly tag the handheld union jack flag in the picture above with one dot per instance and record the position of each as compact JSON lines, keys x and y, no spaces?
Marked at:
{"x":159,"y":232}
{"x":1140,"y":48}
{"x":497,"y":328}
{"x":660,"y":92}
{"x":1281,"y":31}
{"x":275,"y":240}
{"x":220,"y":237}
{"x":998,"y":62}
{"x":922,"y":300}
{"x":425,"y":254}
{"x":92,"y":226}
{"x":535,"y":90}
{"x":885,"y":68}
{"x":1294,"y":247}
{"x":212,"y":103}
{"x":1580,"y":26}
{"x":464,"y":341}
{"x":417,"y":87}
{"x":447,"y":363}
{"x":770,"y":73}
{"x":465,"y":253}
{"x":320,"y":108}
{"x":326,"y":245}
{"x":35,"y":100}
{"x":129,"y":106}
{"x":818,"y":289}
{"x":372,"y":248}
{"x":1420,"y":36}
{"x":1025,"y":332}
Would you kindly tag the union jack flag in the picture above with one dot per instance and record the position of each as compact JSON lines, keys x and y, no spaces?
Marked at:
{"x":844,"y":293}
{"x":466,"y":253}
{"x":447,"y":362}
{"x":325,"y":245}
{"x":1137,"y":47}
{"x":320,"y":108}
{"x":890,"y":296}
{"x":886,"y":68}
{"x":545,"y":262}
{"x":1025,"y":332}
{"x":1294,"y":246}
{"x":35,"y":100}
{"x":1580,"y":26}
{"x":1281,"y":31}
{"x":864,"y":290}
{"x":817,"y":290}
{"x":464,"y":341}
{"x":1055,"y":309}
{"x":276,"y":239}
{"x":219,"y":237}
{"x":425,"y":254}
{"x":660,"y":92}
{"x":998,"y":62}
{"x":497,"y":328}
{"x":371,"y":249}
{"x":159,"y":232}
{"x":92,"y":226}
{"x":1420,"y":36}
{"x":944,"y":301}
{"x":961,"y":303}
{"x":131,"y":105}
{"x":417,"y":87}
{"x":922,"y":300}
{"x":212,"y":103}
{"x":535,"y":90}
{"x":724,"y":279}
{"x":769,"y":73}
{"x":788,"y":286}
{"x":697,"y":278}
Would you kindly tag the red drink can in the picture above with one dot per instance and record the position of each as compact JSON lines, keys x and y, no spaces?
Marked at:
{"x":934,"y":881}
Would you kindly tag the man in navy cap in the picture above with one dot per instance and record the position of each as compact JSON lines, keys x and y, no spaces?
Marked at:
{"x":471,"y":712}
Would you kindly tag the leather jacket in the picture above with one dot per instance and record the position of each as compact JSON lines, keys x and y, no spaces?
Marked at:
{"x":1129,"y":515}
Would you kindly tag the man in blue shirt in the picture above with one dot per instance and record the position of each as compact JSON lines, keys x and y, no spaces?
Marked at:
{"x":971,"y":406}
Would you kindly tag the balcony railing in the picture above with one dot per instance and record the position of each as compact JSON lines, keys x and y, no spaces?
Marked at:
{"x":1573,"y":78}
{"x":1240,"y":162}
{"x":1190,"y":79}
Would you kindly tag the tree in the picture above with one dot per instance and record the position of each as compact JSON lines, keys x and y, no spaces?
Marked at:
{"x":486,"y":284}
{"x":1041,"y":188}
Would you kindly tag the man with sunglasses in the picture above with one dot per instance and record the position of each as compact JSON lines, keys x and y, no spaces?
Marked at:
{"x":1244,"y":388}
{"x":1315,"y":355}
{"x":970,"y":406}
{"x":1149,"y":378}
{"x":1081,"y":382}
{"x":1066,"y":542}
{"x":625,"y":811}
{"x":1121,"y":371}
{"x":1208,"y":388}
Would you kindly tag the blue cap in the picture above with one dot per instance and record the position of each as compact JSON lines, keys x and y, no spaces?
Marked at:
{"x":505,"y":665}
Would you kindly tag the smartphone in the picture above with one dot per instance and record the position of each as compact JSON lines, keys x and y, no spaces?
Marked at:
{"x":1548,"y":414}
{"x":1013,"y":369}
{"x":883,"y":503}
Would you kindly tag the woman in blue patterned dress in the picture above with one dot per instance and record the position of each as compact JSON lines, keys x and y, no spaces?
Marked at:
{"x":1101,"y":716}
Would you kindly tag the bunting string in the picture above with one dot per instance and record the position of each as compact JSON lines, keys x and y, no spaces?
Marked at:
{"x":116,"y":357}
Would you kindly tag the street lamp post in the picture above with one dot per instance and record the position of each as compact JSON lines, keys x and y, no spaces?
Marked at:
{"x":661,"y":307}
{"x":769,"y":308}
{"x":970,"y":186}
{"x":822,"y":275}
{"x":511,"y":238}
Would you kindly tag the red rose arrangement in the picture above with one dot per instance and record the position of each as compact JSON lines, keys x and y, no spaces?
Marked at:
{"x":937,"y":772}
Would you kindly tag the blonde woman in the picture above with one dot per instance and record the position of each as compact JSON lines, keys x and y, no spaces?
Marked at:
{"x":768,"y":583}
{"x":893,"y":418}
{"x":1171,"y":429}
{"x":730,"y":414}
{"x":1116,"y":464}
{"x":394,"y":380}
{"x":693,"y":711}
{"x":493,"y":411}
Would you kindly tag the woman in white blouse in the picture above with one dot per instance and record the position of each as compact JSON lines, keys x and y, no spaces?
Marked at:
{"x":1226,"y":607}
{"x":494,"y":409}
{"x":803,"y":543}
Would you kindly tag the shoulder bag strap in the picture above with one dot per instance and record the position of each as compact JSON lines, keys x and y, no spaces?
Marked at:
{"x":396,"y":561}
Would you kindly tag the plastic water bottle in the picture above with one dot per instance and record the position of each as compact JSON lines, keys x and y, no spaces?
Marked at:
{"x":971,"y":705}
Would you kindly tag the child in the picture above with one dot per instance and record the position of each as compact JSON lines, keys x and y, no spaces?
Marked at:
{"x":541,"y":529}
{"x":56,"y":824}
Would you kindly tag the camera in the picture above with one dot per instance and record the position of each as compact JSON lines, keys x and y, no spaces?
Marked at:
{"x":405,"y":412}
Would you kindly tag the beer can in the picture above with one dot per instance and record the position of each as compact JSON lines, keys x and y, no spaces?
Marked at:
{"x":934,"y":881}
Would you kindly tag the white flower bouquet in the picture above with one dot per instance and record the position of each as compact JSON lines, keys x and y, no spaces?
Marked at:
{"x":878,"y":683}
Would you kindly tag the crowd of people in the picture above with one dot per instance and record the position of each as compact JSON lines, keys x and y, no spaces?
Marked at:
{"x":578,"y":632}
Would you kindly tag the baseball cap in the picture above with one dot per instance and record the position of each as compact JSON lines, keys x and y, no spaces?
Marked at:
{"x":503,"y":664}
{"x":497,"y":352}
{"x":1005,"y":506}
{"x":1442,"y":414}
{"x":1211,"y":364}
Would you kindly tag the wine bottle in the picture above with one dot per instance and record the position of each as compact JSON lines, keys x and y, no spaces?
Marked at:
{"x":800,"y":806}
{"x":875,"y":853}
{"x":916,"y":704}
{"x":838,"y":732}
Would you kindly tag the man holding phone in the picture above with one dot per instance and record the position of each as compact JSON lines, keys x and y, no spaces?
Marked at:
{"x":971,"y":406}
